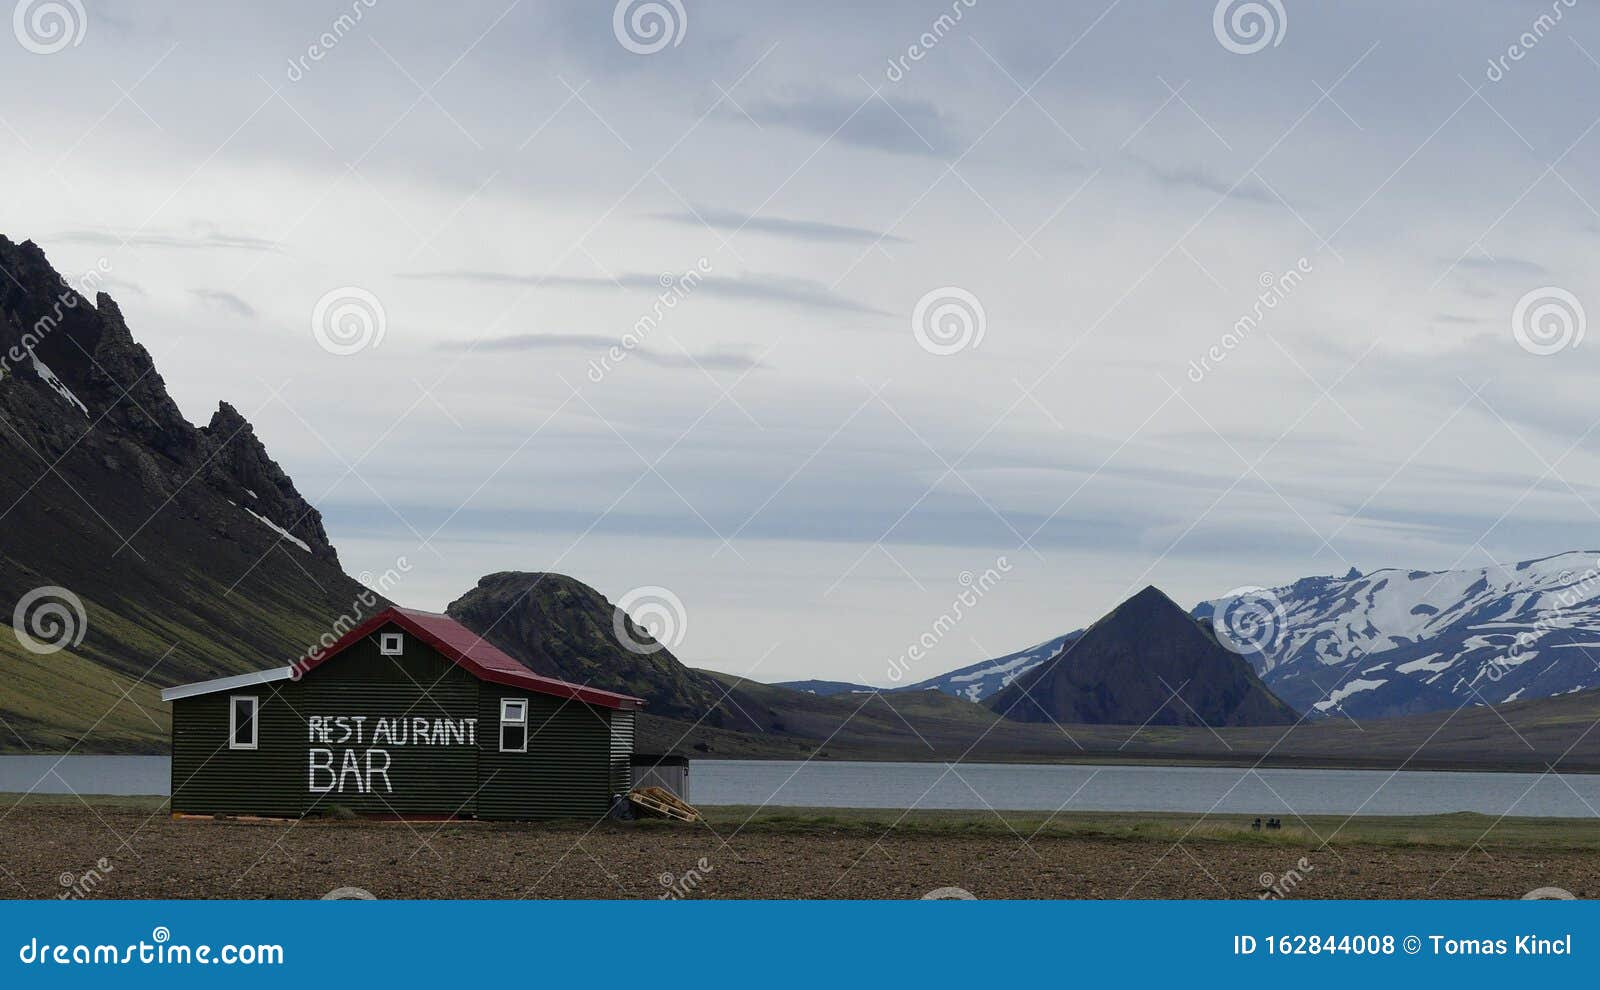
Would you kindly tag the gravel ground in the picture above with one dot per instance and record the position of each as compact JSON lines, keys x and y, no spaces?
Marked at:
{"x":136,"y":854}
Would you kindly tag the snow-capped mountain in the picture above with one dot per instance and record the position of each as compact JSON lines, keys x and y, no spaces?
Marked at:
{"x":1394,"y":642}
{"x":986,"y":677}
{"x":975,"y":682}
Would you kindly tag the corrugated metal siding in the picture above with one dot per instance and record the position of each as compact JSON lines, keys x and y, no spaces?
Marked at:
{"x":621,"y":752}
{"x":274,"y":779}
{"x":566,"y":772}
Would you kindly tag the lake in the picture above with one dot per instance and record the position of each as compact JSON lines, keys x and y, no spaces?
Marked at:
{"x":1010,"y":787}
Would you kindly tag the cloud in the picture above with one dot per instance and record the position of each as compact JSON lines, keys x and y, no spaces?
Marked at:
{"x":756,"y":288}
{"x":208,"y":241}
{"x":1189,"y":177}
{"x":905,"y":127}
{"x":226,"y":301}
{"x":1499,"y":266}
{"x":800,"y":230}
{"x":719,"y":360}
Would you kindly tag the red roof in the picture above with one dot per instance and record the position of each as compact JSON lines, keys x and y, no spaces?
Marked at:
{"x":467,"y":649}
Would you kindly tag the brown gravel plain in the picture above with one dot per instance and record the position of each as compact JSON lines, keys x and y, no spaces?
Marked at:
{"x":45,"y":845}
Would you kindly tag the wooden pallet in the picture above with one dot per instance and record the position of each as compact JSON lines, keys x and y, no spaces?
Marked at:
{"x":660,"y":801}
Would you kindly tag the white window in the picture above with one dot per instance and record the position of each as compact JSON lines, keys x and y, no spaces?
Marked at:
{"x":391,"y":644}
{"x":244,"y":730}
{"x":513,"y":725}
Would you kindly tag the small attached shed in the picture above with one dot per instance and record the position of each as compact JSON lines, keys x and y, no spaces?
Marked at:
{"x":410,"y":714}
{"x":669,"y":771}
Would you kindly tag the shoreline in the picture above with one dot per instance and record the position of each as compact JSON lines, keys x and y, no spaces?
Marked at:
{"x":1110,"y":759}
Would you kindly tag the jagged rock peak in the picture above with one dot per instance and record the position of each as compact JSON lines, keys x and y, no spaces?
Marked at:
{"x":239,"y":467}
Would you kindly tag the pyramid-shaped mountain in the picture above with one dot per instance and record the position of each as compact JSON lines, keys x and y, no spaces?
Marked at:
{"x":1145,"y":663}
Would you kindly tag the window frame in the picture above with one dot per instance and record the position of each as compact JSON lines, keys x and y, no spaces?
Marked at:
{"x":399,"y":641}
{"x":520,"y":722}
{"x":255,"y":721}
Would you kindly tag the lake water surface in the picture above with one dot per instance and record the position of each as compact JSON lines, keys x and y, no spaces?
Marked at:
{"x":1010,"y":787}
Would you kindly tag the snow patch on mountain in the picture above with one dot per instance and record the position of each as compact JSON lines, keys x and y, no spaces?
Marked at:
{"x":985,"y":678}
{"x":1450,"y":637}
{"x":51,"y":379}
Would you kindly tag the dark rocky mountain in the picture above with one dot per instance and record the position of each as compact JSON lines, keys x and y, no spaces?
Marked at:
{"x":560,"y":627}
{"x":190,"y":550}
{"x":1147,"y":662}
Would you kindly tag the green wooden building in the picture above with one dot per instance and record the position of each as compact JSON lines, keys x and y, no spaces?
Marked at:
{"x":408,"y":715}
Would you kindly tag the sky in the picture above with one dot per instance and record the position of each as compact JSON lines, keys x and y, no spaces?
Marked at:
{"x":802,"y":319}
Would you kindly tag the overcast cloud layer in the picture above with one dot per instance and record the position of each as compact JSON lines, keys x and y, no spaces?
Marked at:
{"x":1115,"y":185}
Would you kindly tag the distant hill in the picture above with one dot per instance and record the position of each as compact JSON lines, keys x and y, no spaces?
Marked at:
{"x":1145,"y":662}
{"x":825,"y":689}
{"x":560,"y":627}
{"x":986,"y":678}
